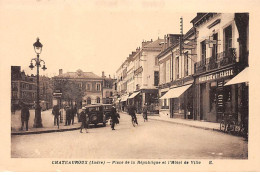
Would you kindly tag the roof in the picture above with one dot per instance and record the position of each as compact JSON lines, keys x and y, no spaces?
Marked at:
{"x":165,"y":51}
{"x":79,"y":74}
{"x":154,"y":45}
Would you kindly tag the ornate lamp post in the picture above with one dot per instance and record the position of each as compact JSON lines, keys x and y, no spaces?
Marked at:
{"x":38,"y":49}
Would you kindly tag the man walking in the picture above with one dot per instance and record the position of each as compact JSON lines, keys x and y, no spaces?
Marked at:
{"x":68,"y":114}
{"x":84,"y":120}
{"x":114,"y":117}
{"x":56,"y":113}
{"x":145,"y":112}
{"x":25,"y":114}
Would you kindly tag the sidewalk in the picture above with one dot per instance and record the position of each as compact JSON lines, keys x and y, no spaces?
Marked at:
{"x":47,"y":122}
{"x":187,"y":122}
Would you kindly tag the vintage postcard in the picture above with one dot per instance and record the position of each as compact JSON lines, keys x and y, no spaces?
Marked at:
{"x":129,"y":86}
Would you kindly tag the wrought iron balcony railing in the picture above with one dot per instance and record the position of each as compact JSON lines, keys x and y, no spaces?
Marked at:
{"x":219,"y":60}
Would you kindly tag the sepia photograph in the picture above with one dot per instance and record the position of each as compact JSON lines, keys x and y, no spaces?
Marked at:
{"x":111,"y":83}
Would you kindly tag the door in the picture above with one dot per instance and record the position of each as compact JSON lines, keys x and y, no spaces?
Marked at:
{"x":202,"y":100}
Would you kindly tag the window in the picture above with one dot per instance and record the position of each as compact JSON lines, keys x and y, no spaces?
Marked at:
{"x":111,"y":94}
{"x":168,"y":71}
{"x":228,"y":38}
{"x":156,"y":78}
{"x":107,"y":93}
{"x":98,"y":100}
{"x":80,"y":85}
{"x":213,"y":95}
{"x":165,"y":102}
{"x":177,"y":68}
{"x":88,"y":100}
{"x":186,"y":64}
{"x":88,"y":87}
{"x":215,"y":46}
{"x":98,"y":87}
{"x":203,"y":51}
{"x":14,"y":94}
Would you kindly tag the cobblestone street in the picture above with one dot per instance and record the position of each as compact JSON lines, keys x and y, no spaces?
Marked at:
{"x":149,"y":140}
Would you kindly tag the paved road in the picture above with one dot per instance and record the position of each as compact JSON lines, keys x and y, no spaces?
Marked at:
{"x":149,"y":140}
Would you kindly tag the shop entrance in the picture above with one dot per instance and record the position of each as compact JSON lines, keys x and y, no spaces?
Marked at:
{"x":202,"y":100}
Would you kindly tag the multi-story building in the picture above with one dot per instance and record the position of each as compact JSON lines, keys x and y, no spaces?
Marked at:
{"x":46,"y":92}
{"x":107,"y":90}
{"x":81,"y":88}
{"x":23,"y":87}
{"x":176,"y":69}
{"x":140,"y":75}
{"x":222,"y":52}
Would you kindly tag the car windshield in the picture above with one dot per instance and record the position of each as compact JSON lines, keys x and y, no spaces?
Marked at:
{"x":107,"y":107}
{"x":93,"y":109}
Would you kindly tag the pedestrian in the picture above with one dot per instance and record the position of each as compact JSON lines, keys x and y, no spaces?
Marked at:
{"x":25,"y":114}
{"x":114,"y":117}
{"x":72,"y":115}
{"x":68,"y":114}
{"x":84,"y":119}
{"x":145,"y":112}
{"x":56,"y":113}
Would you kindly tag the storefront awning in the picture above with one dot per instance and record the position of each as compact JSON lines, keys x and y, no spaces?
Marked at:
{"x":133,"y":95}
{"x":242,"y":77}
{"x":175,"y":92}
{"x":124,"y":98}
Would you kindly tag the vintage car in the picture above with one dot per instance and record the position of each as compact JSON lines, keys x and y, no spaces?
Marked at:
{"x":107,"y":110}
{"x":96,"y":114}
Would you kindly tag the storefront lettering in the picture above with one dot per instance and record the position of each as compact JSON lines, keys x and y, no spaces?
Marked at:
{"x":217,"y":75}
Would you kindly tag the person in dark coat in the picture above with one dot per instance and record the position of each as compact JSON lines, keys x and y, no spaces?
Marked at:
{"x":68,"y":114}
{"x":72,"y":115}
{"x":84,"y":119}
{"x":25,"y":114}
{"x":114,"y":117}
{"x":56,"y":113}
{"x":145,"y":112}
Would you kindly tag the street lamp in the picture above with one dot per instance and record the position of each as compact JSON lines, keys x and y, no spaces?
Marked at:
{"x":38,"y":49}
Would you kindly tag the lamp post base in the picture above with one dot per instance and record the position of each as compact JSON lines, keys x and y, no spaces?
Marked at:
{"x":37,"y":119}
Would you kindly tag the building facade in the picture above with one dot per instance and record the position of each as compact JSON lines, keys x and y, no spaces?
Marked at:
{"x":140,"y":75}
{"x":219,"y":60}
{"x":107,"y":90}
{"x":80,"y":88}
{"x":46,"y":92}
{"x":176,"y":69}
{"x":23,"y":88}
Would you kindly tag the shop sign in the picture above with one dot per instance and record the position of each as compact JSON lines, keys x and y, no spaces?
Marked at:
{"x":214,"y":76}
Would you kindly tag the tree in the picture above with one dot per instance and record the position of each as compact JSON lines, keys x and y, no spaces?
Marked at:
{"x":72,"y":90}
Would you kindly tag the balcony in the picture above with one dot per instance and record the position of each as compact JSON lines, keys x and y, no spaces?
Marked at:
{"x":215,"y":62}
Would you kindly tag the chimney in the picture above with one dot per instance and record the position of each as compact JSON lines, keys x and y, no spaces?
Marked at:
{"x":60,"y":71}
{"x":103,"y":74}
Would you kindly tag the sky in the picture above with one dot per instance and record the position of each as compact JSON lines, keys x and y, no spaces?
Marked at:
{"x":93,"y":36}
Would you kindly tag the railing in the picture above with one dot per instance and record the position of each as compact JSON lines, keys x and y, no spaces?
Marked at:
{"x":219,"y":60}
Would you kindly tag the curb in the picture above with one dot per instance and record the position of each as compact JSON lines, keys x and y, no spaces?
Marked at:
{"x":45,"y":131}
{"x":199,"y":127}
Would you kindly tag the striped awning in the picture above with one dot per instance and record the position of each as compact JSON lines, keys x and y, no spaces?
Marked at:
{"x":176,"y":92}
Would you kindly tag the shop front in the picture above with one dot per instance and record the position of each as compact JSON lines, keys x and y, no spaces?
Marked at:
{"x":150,"y":98}
{"x":212,"y":98}
{"x":180,"y":101}
{"x":123,"y":103}
{"x":135,"y":99}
